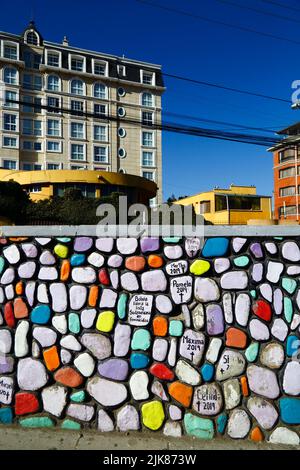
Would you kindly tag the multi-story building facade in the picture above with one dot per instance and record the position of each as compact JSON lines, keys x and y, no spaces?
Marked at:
{"x":68,"y":108}
{"x":286,"y":165}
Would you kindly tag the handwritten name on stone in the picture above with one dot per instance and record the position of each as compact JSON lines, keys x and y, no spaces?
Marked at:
{"x":192,"y":346}
{"x":181,"y":289}
{"x":140,"y":307}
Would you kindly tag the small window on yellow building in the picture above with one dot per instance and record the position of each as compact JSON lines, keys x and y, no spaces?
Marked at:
{"x":204,"y":207}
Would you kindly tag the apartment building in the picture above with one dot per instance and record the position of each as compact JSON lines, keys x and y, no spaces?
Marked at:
{"x":64,"y":107}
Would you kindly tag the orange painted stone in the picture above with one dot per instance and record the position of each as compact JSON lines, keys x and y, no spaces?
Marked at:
{"x":244,"y":385}
{"x":155,"y":261}
{"x":160,"y":326}
{"x":51,"y":358}
{"x":18,"y":239}
{"x":20,"y":308}
{"x":69,"y":377}
{"x":181,"y":393}
{"x":93,"y":296}
{"x":65,"y":270}
{"x":19,"y":288}
{"x":135,"y":263}
{"x":161,"y":371}
{"x":236,"y":338}
{"x":9,"y":315}
{"x":256,"y":435}
{"x":26,"y":403}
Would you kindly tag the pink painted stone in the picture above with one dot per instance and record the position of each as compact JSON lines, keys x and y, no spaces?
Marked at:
{"x":263,"y":411}
{"x":149,"y":244}
{"x":263,"y":381}
{"x":82,"y":244}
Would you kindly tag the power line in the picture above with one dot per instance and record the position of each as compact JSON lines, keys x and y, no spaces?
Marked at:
{"x":288,"y":7}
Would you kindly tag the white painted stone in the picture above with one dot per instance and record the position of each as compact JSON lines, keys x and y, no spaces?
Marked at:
{"x":279,"y":329}
{"x":221,"y":265}
{"x":206,"y":290}
{"x":99,"y":345}
{"x":71,"y":343}
{"x":35,"y":350}
{"x":43,"y":241}
{"x":172,"y":356}
{"x":198,"y":316}
{"x":138,"y":384}
{"x":272,"y":355}
{"x":186,"y":315}
{"x":263,"y":381}
{"x":154,"y":281}
{"x":172,"y":429}
{"x":266,"y":291}
{"x":2,"y":298}
{"x":181,"y":289}
{"x":87,"y":317}
{"x":21,"y":343}
{"x":232,"y":393}
{"x":45,"y":336}
{"x":278,"y":301}
{"x":231,"y":364}
{"x":54,"y":399}
{"x":59,"y":297}
{"x":9,"y":292}
{"x":177,"y":267}
{"x":271,"y":248}
{"x":158,"y":390}
{"x":59,"y":322}
{"x":114,"y":279}
{"x":236,"y":280}
{"x":175,"y":413}
{"x":85,"y":364}
{"x":258,"y":330}
{"x":27,"y":270}
{"x":129,"y":282}
{"x":105,"y":244}
{"x":139,"y":310}
{"x":173,"y":251}
{"x":80,"y":412}
{"x":122,"y":338}
{"x":31,"y":374}
{"x":291,"y":378}
{"x":160,"y":349}
{"x":213,"y":350}
{"x":263,"y":411}
{"x":242,"y":309}
{"x":128,"y":419}
{"x":238,"y":424}
{"x":208,"y":399}
{"x":30,"y":292}
{"x":78,"y":296}
{"x":12,"y":254}
{"x":127,"y":246}
{"x":192,"y":345}
{"x":274,"y":271}
{"x":5,"y":341}
{"x":257,"y":272}
{"x":285,"y":436}
{"x":84,"y":275}
{"x":106,"y":392}
{"x":105,"y":423}
{"x":6,"y":390}
{"x":115,"y":261}
{"x":95,"y":259}
{"x":238,"y":243}
{"x":295,"y":322}
{"x":293,"y":270}
{"x":186,"y":373}
{"x":65,"y":356}
{"x":30,"y":250}
{"x":291,"y":251}
{"x":47,"y":258}
{"x":227,"y":307}
{"x":108,"y":298}
{"x":163,"y":304}
{"x":8,"y":276}
{"x":42,"y":294}
{"x":192,"y":245}
{"x":48,"y":274}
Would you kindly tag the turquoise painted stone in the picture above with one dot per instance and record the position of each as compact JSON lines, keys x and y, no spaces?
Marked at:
{"x":63,"y":239}
{"x":2,"y":264}
{"x":207,"y":372}
{"x":252,"y":352}
{"x":78,"y":397}
{"x":121,"y":308}
{"x":139,"y":360}
{"x":288,"y":309}
{"x":175,"y":328}
{"x":278,"y":238}
{"x":199,"y":427}
{"x":171,"y":239}
{"x":74,"y":323}
{"x":221,"y":423}
{"x":6,"y":416}
{"x":77,"y":260}
{"x":241,"y":261}
{"x":253,"y":294}
{"x":141,"y":339}
{"x":290,"y":410}
{"x":40,"y":314}
{"x":70,"y":424}
{"x":215,"y":247}
{"x":292,"y":345}
{"x":289,"y":285}
{"x":37,"y":422}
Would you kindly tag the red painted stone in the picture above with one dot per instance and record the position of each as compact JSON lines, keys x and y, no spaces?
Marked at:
{"x":26,"y":403}
{"x":262,"y":309}
{"x":104,"y":277}
{"x":9,"y":315}
{"x":161,"y":372}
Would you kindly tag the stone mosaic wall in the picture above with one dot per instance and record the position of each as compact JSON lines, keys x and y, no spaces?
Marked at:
{"x":152,"y":334}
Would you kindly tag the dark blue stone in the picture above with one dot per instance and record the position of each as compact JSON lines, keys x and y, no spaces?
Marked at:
{"x":139,"y":360}
{"x":6,"y":416}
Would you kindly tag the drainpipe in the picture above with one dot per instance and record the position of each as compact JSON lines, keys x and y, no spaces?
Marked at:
{"x":296,"y":180}
{"x":228,"y":209}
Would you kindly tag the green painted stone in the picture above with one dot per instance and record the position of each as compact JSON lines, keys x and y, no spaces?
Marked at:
{"x":198,"y":427}
{"x":289,"y":284}
{"x":74,"y":323}
{"x":121,"y":308}
{"x":69,"y":424}
{"x":278,"y":238}
{"x":171,"y":239}
{"x":141,"y":339}
{"x":78,"y":397}
{"x":288,"y":309}
{"x":241,"y":261}
{"x":37,"y":422}
{"x":63,"y":239}
{"x":175,"y":328}
{"x":61,"y":251}
{"x":253,"y":294}
{"x":2,"y":263}
{"x":252,"y":352}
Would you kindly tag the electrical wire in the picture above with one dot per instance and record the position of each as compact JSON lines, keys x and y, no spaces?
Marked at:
{"x":287,"y":7}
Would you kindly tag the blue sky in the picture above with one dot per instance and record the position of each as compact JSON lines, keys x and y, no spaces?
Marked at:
{"x":197,"y":49}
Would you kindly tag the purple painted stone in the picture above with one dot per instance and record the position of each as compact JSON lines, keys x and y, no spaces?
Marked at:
{"x":82,"y":244}
{"x":149,"y":244}
{"x":115,"y":369}
{"x":214,"y":320}
{"x":6,"y":364}
{"x":256,"y":250}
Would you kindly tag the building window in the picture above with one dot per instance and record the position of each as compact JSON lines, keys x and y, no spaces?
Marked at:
{"x":77,"y":107}
{"x":9,"y":164}
{"x":147,"y":139}
{"x":10,"y":97}
{"x":35,"y":188}
{"x":10,"y":51}
{"x":287,"y":210}
{"x":100,"y":154}
{"x":77,"y":130}
{"x":288,"y":191}
{"x":32,"y":82}
{"x":147,"y":118}
{"x":147,"y":159}
{"x":32,"y":127}
{"x":149,"y":175}
{"x":147,"y":99}
{"x":53,"y":127}
{"x":37,"y":166}
{"x":121,"y":91}
{"x":32,"y":61}
{"x":205,"y":207}
{"x":10,"y":142}
{"x":100,"y":91}
{"x":121,"y":112}
{"x":286,"y":155}
{"x":77,"y":87}
{"x":52,"y":166}
{"x":121,"y":70}
{"x":121,"y":153}
{"x":32,"y":38}
{"x":27,"y":166}
{"x":77,"y":152}
{"x":33,"y":104}
{"x":10,"y":76}
{"x":287,"y":172}
{"x":52,"y":59}
{"x":10,"y":122}
{"x":77,"y":64}
{"x":147,"y":78}
{"x":100,"y":110}
{"x":100,"y":133}
{"x":53,"y":83}
{"x":53,"y":146}
{"x":100,"y":68}
{"x":53,"y":104}
{"x":121,"y":132}
{"x":29,"y":145}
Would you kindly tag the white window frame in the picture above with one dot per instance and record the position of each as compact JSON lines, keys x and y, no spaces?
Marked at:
{"x":60,"y":127}
{"x":54,"y":151}
{"x":10,"y":43}
{"x":33,"y":128}
{"x":53,"y":163}
{"x":17,"y":75}
{"x":77,"y":56}
{"x":106,"y":132}
{"x":154,"y":158}
{"x":31,"y":31}
{"x":59,"y":83}
{"x":33,"y":142}
{"x":10,"y":106}
{"x":7,"y":159}
{"x":72,"y":98}
{"x":106,"y":152}
{"x":153,"y":81}
{"x":106,"y":96}
{"x":70,"y":86}
{"x":70,"y":151}
{"x":71,"y":137}
{"x":53,"y":51}
{"x":17,"y":121}
{"x":153,"y":99}
{"x":100,"y":116}
{"x":10,"y":137}
{"x":150,"y":171}
{"x":59,"y":105}
{"x":147,"y":111}
{"x":121,"y":70}
{"x":153,"y":139}
{"x":102,"y":62}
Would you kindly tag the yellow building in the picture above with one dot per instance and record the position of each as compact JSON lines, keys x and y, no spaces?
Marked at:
{"x":234,"y":206}
{"x":47,"y":183}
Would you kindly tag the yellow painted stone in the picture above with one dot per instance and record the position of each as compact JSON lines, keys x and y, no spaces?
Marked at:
{"x":105,"y":321}
{"x":153,"y":415}
{"x":61,"y":251}
{"x":199,"y":267}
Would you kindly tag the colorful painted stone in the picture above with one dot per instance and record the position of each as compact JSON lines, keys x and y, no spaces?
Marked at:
{"x":202,"y":428}
{"x":153,"y":415}
{"x":215,"y":247}
{"x":105,"y":321}
{"x":141,"y":339}
{"x":40,"y":314}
